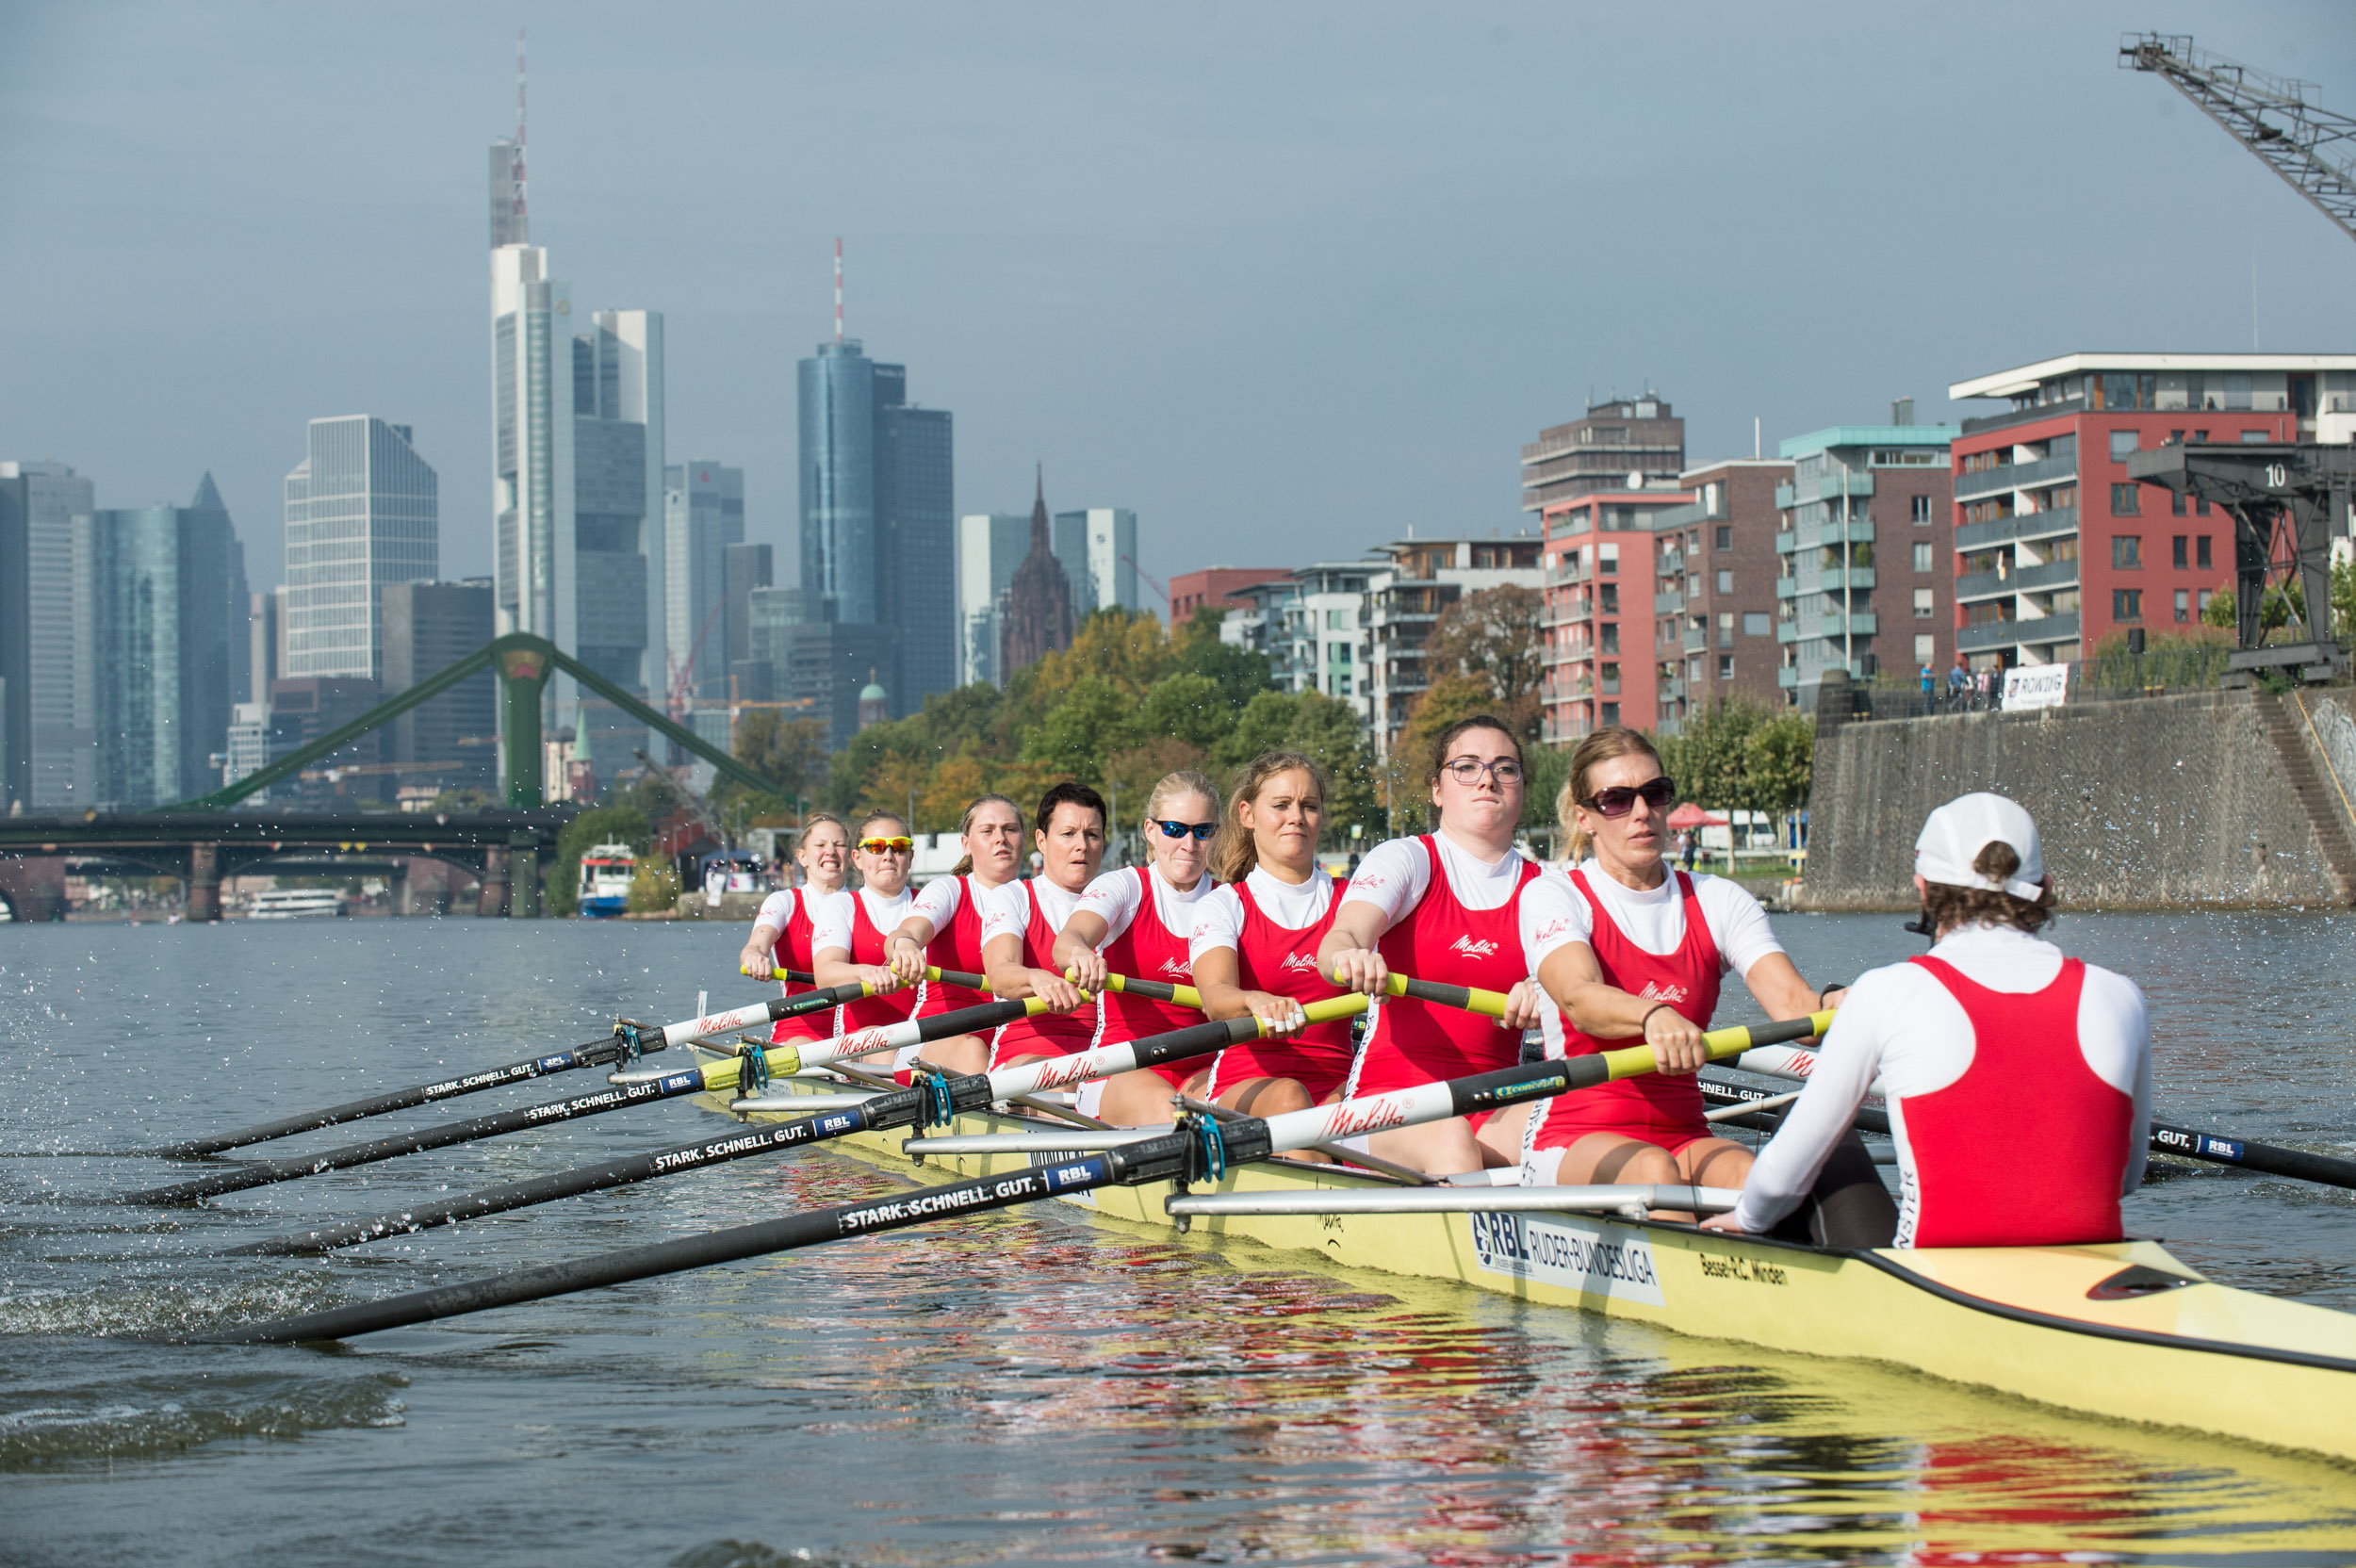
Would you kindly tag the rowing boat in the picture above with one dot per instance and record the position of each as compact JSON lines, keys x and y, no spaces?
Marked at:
{"x":2122,"y":1330}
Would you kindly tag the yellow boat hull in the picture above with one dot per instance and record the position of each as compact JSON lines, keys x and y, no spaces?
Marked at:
{"x":2105,"y":1329}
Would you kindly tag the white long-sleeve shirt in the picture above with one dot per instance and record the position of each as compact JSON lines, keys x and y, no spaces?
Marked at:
{"x":1901,"y":1024}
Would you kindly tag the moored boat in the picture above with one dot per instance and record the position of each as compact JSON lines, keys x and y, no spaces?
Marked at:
{"x":606,"y":874}
{"x":2122,"y":1330}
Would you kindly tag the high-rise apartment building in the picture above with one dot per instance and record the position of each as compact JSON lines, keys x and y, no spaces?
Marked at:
{"x":452,"y":740}
{"x":1310,"y":626}
{"x":1865,"y":584}
{"x":703,"y":514}
{"x":49,"y":497}
{"x":158,"y":598}
{"x":2055,"y":547}
{"x":991,"y":545}
{"x":1620,"y":444}
{"x":363,"y":512}
{"x":577,"y":423}
{"x":1405,"y":600}
{"x":878,"y":514}
{"x":1714,"y":626}
{"x":1606,"y":567}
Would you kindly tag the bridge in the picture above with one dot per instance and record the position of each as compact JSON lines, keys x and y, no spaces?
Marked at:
{"x":204,"y":840}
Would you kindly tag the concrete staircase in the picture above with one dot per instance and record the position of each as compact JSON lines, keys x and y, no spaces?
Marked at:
{"x":2317,"y":798}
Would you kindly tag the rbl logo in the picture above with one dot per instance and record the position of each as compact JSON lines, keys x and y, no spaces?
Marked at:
{"x":1474,"y":947}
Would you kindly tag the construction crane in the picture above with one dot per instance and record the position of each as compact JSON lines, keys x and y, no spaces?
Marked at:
{"x":1150,"y":580}
{"x":2275,"y":117}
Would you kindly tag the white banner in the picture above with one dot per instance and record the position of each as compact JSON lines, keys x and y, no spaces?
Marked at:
{"x":2037,"y":686}
{"x":1591,"y":1257}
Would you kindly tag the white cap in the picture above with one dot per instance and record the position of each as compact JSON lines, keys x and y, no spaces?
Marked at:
{"x":1956,"y":833}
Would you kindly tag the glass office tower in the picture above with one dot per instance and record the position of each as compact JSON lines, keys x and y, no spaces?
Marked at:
{"x":363,"y":512}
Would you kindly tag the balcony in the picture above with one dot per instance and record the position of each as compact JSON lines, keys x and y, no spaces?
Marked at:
{"x":2015,"y":476}
{"x":1836,"y":578}
{"x":1696,"y":638}
{"x":2027,"y":525}
{"x":1788,"y":677}
{"x":1672,"y":564}
{"x":2037,"y":631}
{"x":2019,"y":580}
{"x":1609,"y":688}
{"x":1834,"y":532}
{"x":1672,"y":689}
{"x":1562,"y":577}
{"x":1668,"y":604}
{"x":1787,"y":587}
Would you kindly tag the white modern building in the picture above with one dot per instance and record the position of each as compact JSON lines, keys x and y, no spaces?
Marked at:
{"x":362,"y":510}
{"x":1098,"y":546}
{"x":1405,"y":598}
{"x":990,"y":546}
{"x":703,"y":514}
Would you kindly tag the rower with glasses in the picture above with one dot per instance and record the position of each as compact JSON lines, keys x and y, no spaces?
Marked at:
{"x":943,"y":930}
{"x":851,"y":926}
{"x":1138,"y":921}
{"x":1443,"y":907}
{"x":1628,"y":949}
{"x":784,"y":932}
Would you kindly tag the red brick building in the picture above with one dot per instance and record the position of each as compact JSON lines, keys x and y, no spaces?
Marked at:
{"x":1609,"y":591}
{"x":1214,"y":588}
{"x":1718,"y":641}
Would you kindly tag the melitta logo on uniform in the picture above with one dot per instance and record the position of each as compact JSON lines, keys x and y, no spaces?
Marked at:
{"x":1474,"y":947}
{"x":1297,"y":963}
{"x":1177,"y":971}
{"x":1654,"y":991}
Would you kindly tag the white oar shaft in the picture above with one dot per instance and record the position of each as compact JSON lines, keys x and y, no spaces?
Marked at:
{"x":1061,"y":1072}
{"x":1786,"y":1061}
{"x":1372,"y":1112}
{"x":754,"y":1017}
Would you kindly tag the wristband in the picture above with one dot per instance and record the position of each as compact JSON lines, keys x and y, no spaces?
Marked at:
{"x":1646,"y":1023}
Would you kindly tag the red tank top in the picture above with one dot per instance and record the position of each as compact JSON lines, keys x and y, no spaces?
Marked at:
{"x":1419,"y":1042}
{"x":792,"y":951}
{"x":1687,"y":980}
{"x":2028,"y":1082}
{"x":1043,"y":1034}
{"x":867,"y":947}
{"x":1283,"y":962}
{"x":1148,"y":950}
{"x":956,"y":945}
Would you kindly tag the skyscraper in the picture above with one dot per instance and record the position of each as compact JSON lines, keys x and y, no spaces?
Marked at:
{"x":703,"y":514}
{"x":991,"y":545}
{"x":428,"y":627}
{"x":153,"y":590}
{"x":363,"y":512}
{"x":16,"y":726}
{"x":51,"y":496}
{"x":575,"y":499}
{"x":1099,"y":549}
{"x":878,"y":514}
{"x":1039,"y":616}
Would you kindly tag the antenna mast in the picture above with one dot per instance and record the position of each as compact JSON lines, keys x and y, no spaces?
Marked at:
{"x":838,"y":289}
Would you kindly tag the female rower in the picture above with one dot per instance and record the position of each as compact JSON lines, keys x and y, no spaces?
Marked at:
{"x":1255,"y":943}
{"x":1992,"y":1044}
{"x":1628,"y":948}
{"x":1018,"y":924}
{"x":1138,"y":921}
{"x":943,"y":929}
{"x":849,"y":929}
{"x":783,"y":930}
{"x":1443,"y":907}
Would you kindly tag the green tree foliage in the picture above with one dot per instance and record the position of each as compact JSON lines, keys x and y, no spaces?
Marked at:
{"x":607,"y":825}
{"x":1492,"y":638}
{"x":1742,"y":755}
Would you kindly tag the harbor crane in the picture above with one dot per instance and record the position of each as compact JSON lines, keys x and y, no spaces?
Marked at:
{"x":2312,"y":148}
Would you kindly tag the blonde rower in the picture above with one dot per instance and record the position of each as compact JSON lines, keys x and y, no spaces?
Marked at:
{"x":943,"y":929}
{"x":850,"y":928}
{"x":1139,"y":921}
{"x":783,"y":930}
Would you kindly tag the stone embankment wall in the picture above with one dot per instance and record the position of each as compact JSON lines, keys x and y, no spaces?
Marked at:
{"x":2163,"y":802}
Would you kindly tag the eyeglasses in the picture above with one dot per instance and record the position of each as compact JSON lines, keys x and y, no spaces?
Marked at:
{"x":1467,"y":769}
{"x":879,"y":846}
{"x":1619,"y":800}
{"x":1180,"y":829}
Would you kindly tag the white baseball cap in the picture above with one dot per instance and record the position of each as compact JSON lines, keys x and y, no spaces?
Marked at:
{"x":1958,"y":831}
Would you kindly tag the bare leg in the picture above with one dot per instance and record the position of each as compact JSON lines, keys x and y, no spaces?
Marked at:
{"x":1435,"y":1148}
{"x":1501,"y":1134}
{"x":1136,"y":1099}
{"x":960,"y":1054}
{"x":1267,"y":1097}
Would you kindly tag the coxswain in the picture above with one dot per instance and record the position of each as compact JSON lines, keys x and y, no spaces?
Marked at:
{"x":1992,"y":1044}
{"x":783,"y":930}
{"x":1019,"y":925}
{"x":850,"y":928}
{"x":1255,"y":943}
{"x":1629,"y":949}
{"x":943,"y":930}
{"x":1139,"y":923}
{"x":1443,"y":907}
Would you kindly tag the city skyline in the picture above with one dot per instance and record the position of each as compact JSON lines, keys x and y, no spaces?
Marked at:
{"x":1112,"y":328}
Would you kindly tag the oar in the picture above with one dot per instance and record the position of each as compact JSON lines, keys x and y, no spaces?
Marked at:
{"x":921,"y":1104}
{"x":1471,"y":999}
{"x":971,"y":981}
{"x":1152,"y":990}
{"x":623,"y":1090}
{"x":629,"y":1041}
{"x":1199,"y":1150}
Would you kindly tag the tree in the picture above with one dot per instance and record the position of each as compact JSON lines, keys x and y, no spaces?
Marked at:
{"x":1094,"y":719}
{"x":1449,"y":698}
{"x":1240,"y":674}
{"x":1494,"y":637}
{"x":1326,"y":732}
{"x":792,"y":751}
{"x":1188,"y":707}
{"x":1265,"y":724}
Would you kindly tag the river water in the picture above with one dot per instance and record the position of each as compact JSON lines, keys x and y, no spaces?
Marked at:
{"x":1028,"y":1388}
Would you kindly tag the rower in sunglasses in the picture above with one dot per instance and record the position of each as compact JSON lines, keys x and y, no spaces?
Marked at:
{"x":1139,"y":921}
{"x":851,"y":927}
{"x":1627,"y":948}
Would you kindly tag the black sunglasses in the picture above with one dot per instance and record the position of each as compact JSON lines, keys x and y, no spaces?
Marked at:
{"x":1619,"y":800}
{"x":1180,"y":829}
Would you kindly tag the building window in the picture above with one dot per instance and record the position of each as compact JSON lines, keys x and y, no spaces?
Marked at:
{"x":1921,"y":508}
{"x":1756,"y":623}
{"x":2201,"y":601}
{"x":1607,"y":557}
{"x":2184,"y":604}
{"x":2253,"y":437}
{"x":2180,"y":552}
{"x":1611,"y":712}
{"x":2200,"y":507}
{"x":1923,"y":558}
{"x":2123,"y":443}
{"x":1923,"y":607}
{"x":1725,"y":582}
{"x":2127,"y":551}
{"x":2176,"y":503}
{"x":1609,"y":597}
{"x":1725,"y":534}
{"x":1337,"y":620}
{"x":2200,"y":438}
{"x":1926,"y":649}
{"x":1725,"y":628}
{"x":1725,"y":666}
{"x":2201,"y":551}
{"x":2126,"y":500}
{"x":2126,"y":604}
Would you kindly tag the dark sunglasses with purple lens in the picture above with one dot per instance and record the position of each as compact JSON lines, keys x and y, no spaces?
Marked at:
{"x":1619,"y":800}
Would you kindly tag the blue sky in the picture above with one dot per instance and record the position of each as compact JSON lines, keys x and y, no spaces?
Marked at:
{"x":1287,"y":280}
